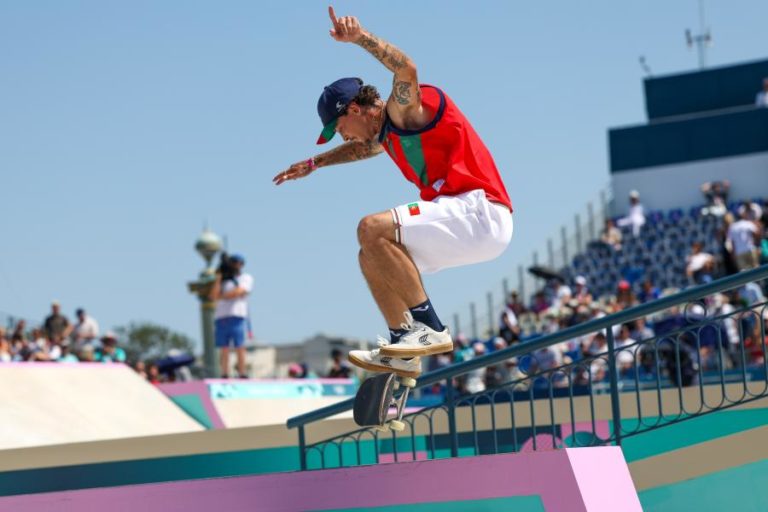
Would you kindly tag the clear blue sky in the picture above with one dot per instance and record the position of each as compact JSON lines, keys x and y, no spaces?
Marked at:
{"x":125,"y":125}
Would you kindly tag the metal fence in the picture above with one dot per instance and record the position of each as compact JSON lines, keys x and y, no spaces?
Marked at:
{"x":702,"y":358}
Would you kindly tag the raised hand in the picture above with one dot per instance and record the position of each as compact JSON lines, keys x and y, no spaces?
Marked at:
{"x":345,"y":29}
{"x":294,"y":172}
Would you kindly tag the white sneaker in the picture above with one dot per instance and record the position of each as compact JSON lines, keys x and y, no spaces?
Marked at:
{"x":375,"y":361}
{"x":420,"y":340}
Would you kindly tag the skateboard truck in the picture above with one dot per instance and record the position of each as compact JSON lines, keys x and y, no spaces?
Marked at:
{"x":375,"y":397}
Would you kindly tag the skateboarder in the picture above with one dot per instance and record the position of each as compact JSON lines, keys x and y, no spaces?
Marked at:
{"x":464,"y":215}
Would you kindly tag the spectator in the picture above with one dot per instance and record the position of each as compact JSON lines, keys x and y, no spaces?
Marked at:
{"x":47,"y":349}
{"x":85,"y":331}
{"x":716,"y":194}
{"x":729,"y":265}
{"x":636,"y":216}
{"x":6,"y":354}
{"x":648,"y":292}
{"x":611,"y":235}
{"x":624,"y":296}
{"x":743,"y":237}
{"x":340,"y":368}
{"x":153,"y":374}
{"x":66,"y":355}
{"x":87,"y":354}
{"x":626,"y":350}
{"x":581,"y":292}
{"x":540,"y":303}
{"x":753,"y":210}
{"x":295,"y":371}
{"x":509,"y":328}
{"x":141,"y":368}
{"x":640,"y":330}
{"x":56,"y":325}
{"x":499,"y":373}
{"x":230,"y":291}
{"x":761,"y":99}
{"x":109,"y":351}
{"x":19,"y":331}
{"x":516,"y":304}
{"x":476,"y":378}
{"x":562,"y":295}
{"x":699,"y":265}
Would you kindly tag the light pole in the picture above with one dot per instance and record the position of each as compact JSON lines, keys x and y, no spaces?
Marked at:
{"x":208,"y":245}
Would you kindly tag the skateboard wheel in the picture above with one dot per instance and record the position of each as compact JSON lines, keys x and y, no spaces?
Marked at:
{"x":409,"y":382}
{"x":381,"y":428}
{"x":397,"y":426}
{"x":397,"y":385}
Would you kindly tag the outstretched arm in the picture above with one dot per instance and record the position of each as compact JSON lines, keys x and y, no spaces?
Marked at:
{"x":347,"y":152}
{"x":404,"y":104}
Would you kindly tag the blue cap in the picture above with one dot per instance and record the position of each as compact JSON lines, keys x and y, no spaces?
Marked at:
{"x":237,"y":257}
{"x":333,"y":101}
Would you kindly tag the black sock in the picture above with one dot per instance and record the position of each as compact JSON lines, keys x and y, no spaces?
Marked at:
{"x":425,"y":314}
{"x":395,"y":335}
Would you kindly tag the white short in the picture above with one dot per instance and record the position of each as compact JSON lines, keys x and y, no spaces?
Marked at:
{"x":451,"y":231}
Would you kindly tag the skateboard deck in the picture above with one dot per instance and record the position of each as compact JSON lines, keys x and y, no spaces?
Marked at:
{"x":374,"y":398}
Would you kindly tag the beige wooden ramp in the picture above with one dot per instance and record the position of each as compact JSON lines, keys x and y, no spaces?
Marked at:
{"x":53,"y":403}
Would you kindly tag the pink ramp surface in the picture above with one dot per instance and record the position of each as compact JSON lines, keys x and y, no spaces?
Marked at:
{"x":546,"y":474}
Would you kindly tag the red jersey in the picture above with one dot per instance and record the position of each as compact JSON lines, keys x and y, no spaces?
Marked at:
{"x":446,"y":157}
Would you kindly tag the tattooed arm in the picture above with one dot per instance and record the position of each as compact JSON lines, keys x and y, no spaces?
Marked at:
{"x":347,"y":152}
{"x":404,"y":104}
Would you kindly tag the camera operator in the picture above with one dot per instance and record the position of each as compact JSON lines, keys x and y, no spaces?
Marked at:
{"x":230,"y":291}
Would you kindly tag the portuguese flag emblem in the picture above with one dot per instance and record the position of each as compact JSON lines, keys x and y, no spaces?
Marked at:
{"x":413,"y":209}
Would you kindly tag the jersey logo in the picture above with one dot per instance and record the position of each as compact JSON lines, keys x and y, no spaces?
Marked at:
{"x":413,"y":209}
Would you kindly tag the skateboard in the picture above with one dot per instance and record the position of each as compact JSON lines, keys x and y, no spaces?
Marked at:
{"x":374,"y":398}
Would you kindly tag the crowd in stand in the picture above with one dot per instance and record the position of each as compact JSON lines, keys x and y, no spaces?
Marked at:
{"x":565,"y":300}
{"x":59,"y":340}
{"x":738,"y":340}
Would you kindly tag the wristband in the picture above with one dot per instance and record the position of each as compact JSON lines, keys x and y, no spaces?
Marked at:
{"x":311,"y":163}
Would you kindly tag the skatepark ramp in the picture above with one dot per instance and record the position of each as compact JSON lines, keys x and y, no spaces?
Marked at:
{"x":571,"y":480}
{"x":47,"y":404}
{"x":603,"y":399}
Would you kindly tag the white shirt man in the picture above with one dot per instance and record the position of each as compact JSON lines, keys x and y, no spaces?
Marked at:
{"x":238,"y":306}
{"x":231,"y":313}
{"x":742,"y":235}
{"x":86,"y":330}
{"x":636,"y":217}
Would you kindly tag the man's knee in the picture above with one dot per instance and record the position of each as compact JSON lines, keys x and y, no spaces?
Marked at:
{"x":372,"y":229}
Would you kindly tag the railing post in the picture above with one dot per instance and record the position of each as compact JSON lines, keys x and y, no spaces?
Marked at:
{"x":302,"y":449}
{"x":449,"y":401}
{"x":613,"y":372}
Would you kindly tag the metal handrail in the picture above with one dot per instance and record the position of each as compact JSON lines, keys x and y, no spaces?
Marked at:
{"x":606,"y":322}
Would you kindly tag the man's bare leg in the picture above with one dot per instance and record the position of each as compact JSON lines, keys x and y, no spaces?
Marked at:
{"x":224,"y":361}
{"x":240,"y":361}
{"x":392,"y":276}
